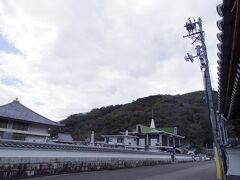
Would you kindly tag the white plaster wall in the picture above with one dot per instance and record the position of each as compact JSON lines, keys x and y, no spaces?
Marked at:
{"x":38,"y":128}
{"x":130,"y":141}
{"x":34,"y":153}
{"x":81,"y":154}
{"x":39,"y":139}
{"x":141,"y":142}
{"x":153,"y":142}
{"x":112,"y":140}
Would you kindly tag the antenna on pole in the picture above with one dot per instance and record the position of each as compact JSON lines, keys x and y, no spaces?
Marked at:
{"x":195,"y":32}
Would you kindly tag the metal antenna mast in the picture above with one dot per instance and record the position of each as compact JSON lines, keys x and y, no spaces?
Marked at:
{"x":197,"y":35}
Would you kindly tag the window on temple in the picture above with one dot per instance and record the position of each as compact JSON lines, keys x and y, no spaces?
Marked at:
{"x":107,"y":140}
{"x":1,"y":134}
{"x":120,"y":140}
{"x":3,"y":124}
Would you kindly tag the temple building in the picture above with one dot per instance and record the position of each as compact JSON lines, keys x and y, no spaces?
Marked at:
{"x":18,"y":122}
{"x":146,"y":137}
{"x":157,"y":137}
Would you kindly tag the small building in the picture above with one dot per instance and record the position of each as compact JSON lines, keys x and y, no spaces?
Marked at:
{"x":122,"y":140}
{"x":18,"y":122}
{"x":64,"y":138}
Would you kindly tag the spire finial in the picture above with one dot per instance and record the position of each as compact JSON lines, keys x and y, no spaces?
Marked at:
{"x":152,"y":114}
{"x":152,"y":121}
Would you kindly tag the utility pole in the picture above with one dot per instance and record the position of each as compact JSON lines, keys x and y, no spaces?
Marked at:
{"x":197,"y":35}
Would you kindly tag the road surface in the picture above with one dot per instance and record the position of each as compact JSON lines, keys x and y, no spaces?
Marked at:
{"x":182,"y":171}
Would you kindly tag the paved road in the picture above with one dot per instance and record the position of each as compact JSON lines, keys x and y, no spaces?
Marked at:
{"x":184,"y":171}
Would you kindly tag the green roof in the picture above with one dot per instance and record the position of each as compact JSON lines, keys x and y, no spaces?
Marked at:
{"x":168,"y":129}
{"x":145,"y":129}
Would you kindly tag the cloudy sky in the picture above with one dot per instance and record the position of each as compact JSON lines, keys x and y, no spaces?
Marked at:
{"x":61,"y":57}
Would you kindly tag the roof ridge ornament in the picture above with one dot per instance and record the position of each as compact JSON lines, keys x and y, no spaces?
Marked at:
{"x":16,"y":100}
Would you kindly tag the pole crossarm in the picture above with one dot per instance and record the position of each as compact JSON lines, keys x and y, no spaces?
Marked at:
{"x":189,"y":35}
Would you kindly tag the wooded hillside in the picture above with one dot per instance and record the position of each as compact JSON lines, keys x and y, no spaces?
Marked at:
{"x":188,"y":112}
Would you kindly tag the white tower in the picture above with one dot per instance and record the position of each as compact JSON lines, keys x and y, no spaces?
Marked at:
{"x":92,"y":139}
{"x":152,"y":121}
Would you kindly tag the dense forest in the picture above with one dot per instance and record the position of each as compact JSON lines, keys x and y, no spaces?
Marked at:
{"x":188,"y":112}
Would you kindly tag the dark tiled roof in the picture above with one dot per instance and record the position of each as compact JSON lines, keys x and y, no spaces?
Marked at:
{"x":15,"y":110}
{"x":62,"y":137}
{"x":229,"y":59}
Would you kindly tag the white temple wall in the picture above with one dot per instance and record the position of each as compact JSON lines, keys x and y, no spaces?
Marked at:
{"x":153,"y":142}
{"x":130,"y":141}
{"x":38,"y":128}
{"x":142,"y":142}
{"x":38,"y":139}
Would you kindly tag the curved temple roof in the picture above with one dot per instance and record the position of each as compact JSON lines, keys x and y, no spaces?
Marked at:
{"x":229,"y":59}
{"x":15,"y":110}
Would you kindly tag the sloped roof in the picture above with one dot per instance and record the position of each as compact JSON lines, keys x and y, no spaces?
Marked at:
{"x":229,"y":60}
{"x":119,"y":135}
{"x":145,"y":129}
{"x":63,"y":137}
{"x":15,"y":110}
{"x":168,"y":129}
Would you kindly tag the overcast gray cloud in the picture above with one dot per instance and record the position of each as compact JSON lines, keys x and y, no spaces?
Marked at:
{"x":75,"y":55}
